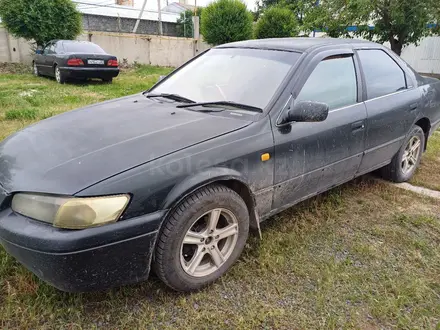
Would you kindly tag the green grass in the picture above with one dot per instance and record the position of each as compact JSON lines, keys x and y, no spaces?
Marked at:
{"x":25,"y":99}
{"x":365,"y":255}
{"x":428,"y":174}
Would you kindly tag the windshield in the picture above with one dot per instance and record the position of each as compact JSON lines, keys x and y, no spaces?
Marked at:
{"x":247,"y":76}
{"x":82,"y":47}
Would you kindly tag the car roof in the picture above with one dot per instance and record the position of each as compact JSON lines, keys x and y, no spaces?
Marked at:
{"x":295,"y":44}
{"x":76,"y":41}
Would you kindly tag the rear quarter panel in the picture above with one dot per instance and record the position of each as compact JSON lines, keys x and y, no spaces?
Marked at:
{"x":430,"y":102}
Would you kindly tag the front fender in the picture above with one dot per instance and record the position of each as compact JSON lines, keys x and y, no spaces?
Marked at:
{"x":198,"y":180}
{"x":230,"y":177}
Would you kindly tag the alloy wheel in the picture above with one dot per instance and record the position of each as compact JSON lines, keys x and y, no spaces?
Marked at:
{"x":411,"y":155}
{"x":57,"y":74}
{"x":209,"y":242}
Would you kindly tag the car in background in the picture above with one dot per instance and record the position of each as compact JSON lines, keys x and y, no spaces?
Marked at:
{"x":72,"y":59}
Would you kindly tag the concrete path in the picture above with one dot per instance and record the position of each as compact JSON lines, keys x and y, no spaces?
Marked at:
{"x":418,"y":190}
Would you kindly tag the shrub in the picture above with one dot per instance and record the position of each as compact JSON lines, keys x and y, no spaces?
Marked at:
{"x":226,"y":21}
{"x":276,"y":22}
{"x":41,"y":20}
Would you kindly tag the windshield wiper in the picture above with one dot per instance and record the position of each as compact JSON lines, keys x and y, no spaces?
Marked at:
{"x":174,"y":97}
{"x":223,"y":103}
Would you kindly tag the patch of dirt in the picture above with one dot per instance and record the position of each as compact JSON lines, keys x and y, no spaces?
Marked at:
{"x":17,"y":68}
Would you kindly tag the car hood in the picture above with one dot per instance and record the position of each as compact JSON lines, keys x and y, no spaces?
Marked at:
{"x":67,"y":153}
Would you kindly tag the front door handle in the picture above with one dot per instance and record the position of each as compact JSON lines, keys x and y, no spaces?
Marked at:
{"x":357,"y":126}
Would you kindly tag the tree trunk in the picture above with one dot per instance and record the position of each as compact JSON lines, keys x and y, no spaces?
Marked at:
{"x":396,"y":46}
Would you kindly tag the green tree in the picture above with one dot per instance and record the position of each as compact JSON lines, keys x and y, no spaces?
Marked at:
{"x":185,"y":27}
{"x":226,"y":21}
{"x":400,"y":22}
{"x":41,"y":20}
{"x":300,"y":8}
{"x":276,"y":22}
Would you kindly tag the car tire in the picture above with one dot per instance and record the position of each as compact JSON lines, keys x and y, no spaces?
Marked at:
{"x":107,"y":80}
{"x":60,"y":77}
{"x":214,"y":223}
{"x":35,"y":70}
{"x":404,"y":164}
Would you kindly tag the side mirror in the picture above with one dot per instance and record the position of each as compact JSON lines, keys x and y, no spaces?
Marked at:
{"x":39,"y":50}
{"x":306,"y":111}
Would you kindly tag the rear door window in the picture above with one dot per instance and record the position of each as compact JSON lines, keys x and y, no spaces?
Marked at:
{"x":333,"y":82}
{"x":383,"y":75}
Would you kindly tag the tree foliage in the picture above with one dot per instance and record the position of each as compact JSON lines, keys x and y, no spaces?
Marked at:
{"x":41,"y":20}
{"x":300,"y":8}
{"x":185,"y":26}
{"x":400,"y":22}
{"x":226,"y":21}
{"x":276,"y":22}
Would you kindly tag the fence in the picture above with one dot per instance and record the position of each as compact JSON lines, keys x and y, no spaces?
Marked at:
{"x":126,"y":25}
{"x":143,"y":49}
{"x":172,"y":51}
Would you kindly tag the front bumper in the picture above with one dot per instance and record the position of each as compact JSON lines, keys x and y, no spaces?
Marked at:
{"x":82,"y":260}
{"x":93,"y":72}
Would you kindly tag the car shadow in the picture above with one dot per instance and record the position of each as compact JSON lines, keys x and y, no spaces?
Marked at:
{"x":79,"y":82}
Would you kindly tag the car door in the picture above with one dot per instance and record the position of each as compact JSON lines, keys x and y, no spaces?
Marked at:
{"x":49,"y":59}
{"x":39,"y":61}
{"x":44,"y":67}
{"x":313,"y":157}
{"x":392,"y":106}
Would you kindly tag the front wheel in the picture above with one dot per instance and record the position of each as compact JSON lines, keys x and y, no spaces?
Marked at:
{"x":36,"y":71}
{"x":404,"y":164}
{"x":202,"y":238}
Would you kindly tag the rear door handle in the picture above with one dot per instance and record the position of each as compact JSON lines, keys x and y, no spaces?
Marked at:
{"x":358,"y":126}
{"x":413,"y":106}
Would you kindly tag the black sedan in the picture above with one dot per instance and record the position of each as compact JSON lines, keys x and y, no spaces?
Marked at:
{"x":175,"y":177}
{"x":71,"y":59}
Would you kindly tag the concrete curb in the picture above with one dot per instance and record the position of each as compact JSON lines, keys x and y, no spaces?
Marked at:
{"x":418,"y":190}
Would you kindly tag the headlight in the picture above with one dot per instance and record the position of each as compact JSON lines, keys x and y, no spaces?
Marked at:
{"x":71,"y":212}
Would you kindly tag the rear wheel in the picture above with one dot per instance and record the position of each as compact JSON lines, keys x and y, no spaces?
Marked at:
{"x":202,"y":238}
{"x":59,"y":75}
{"x":404,"y":164}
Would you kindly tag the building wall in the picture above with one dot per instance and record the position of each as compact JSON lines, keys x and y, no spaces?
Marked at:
{"x":126,"y":25}
{"x":124,"y":2}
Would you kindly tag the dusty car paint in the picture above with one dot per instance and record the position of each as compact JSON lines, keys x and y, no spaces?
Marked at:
{"x":160,"y":154}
